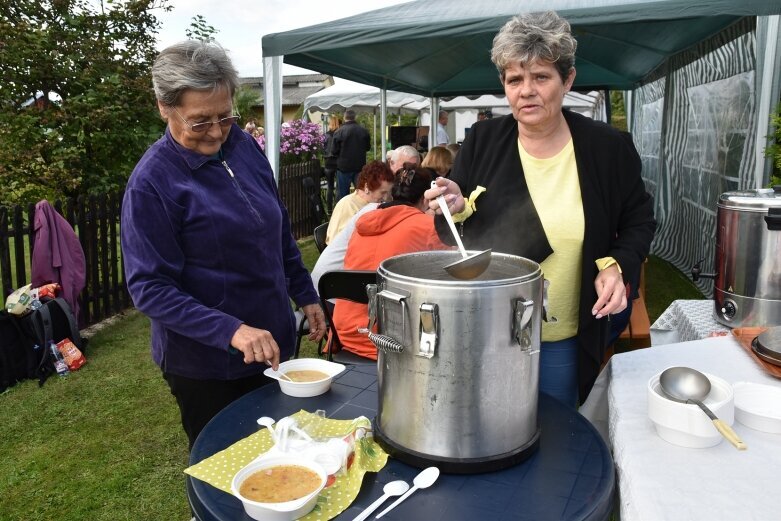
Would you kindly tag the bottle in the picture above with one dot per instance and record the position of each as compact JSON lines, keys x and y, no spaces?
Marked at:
{"x":59,"y":360}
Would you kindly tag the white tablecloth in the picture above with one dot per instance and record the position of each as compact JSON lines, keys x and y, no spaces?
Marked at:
{"x":685,"y":320}
{"x":658,"y":480}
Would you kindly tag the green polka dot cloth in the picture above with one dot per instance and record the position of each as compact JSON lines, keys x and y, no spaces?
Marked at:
{"x":219,"y":469}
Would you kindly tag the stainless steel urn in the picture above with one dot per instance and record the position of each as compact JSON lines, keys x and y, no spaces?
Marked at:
{"x":747,"y":291}
{"x":458,"y":361}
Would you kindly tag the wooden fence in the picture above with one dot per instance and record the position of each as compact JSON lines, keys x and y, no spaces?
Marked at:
{"x":96,"y":222}
{"x":299,"y":202}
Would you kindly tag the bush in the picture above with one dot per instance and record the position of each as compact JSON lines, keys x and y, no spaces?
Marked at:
{"x":774,"y":150}
{"x":299,"y":142}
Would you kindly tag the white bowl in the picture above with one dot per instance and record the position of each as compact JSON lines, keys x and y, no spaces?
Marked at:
{"x":758,"y":406}
{"x":305,"y":389}
{"x":686,"y":424}
{"x":288,"y":510}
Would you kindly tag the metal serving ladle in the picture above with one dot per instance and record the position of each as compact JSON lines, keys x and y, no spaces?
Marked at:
{"x":470,"y":266}
{"x":687,"y":385}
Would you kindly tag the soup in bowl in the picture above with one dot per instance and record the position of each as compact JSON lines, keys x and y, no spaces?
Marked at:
{"x":279,"y":488}
{"x":310,"y":376}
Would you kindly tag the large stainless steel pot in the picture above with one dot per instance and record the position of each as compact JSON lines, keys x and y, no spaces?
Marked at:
{"x":748,"y":263}
{"x":458,"y":361}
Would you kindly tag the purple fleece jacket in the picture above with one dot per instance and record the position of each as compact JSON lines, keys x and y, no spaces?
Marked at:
{"x":207,"y":247}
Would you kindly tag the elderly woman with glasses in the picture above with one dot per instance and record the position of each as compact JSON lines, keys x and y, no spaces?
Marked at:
{"x":558,"y":188}
{"x":399,"y":226}
{"x":206,"y":242}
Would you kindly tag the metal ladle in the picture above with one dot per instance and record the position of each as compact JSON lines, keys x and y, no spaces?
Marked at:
{"x":687,"y":385}
{"x":470,"y":266}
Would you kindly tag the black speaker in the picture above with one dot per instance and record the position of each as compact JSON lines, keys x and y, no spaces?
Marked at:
{"x":403,"y":136}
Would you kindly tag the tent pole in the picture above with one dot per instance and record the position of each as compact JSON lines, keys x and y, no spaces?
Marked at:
{"x":374,"y":141}
{"x":767,"y":73}
{"x":432,"y":126}
{"x":383,"y":121}
{"x":272,"y":113}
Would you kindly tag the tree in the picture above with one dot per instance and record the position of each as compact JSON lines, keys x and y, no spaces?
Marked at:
{"x":244,"y":99}
{"x":200,"y":30}
{"x":77,"y":109}
{"x":773,"y":150}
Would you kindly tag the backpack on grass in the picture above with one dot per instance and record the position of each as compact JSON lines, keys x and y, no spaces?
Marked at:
{"x":19,"y":360}
{"x":24,"y":341}
{"x":53,"y":321}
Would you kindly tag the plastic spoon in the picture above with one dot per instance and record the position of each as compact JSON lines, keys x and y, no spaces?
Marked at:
{"x":687,"y":385}
{"x":423,"y":480}
{"x":468,"y":267}
{"x":265,"y":421}
{"x":276,"y":374}
{"x":394,"y":488}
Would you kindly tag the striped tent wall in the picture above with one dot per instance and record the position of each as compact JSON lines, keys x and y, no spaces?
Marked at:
{"x":694,"y":129}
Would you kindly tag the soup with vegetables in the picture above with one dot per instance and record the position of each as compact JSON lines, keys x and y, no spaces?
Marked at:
{"x":306,"y":375}
{"x":279,"y":484}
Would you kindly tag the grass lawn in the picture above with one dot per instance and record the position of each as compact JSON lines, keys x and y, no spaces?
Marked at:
{"x":105,"y":443}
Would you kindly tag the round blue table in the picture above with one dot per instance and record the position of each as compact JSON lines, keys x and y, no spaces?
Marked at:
{"x":570,"y":476}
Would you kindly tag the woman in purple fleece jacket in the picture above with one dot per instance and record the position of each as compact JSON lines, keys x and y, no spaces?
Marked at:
{"x":206,"y":242}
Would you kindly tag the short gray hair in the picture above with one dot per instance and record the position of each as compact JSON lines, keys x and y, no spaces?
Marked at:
{"x":192,"y":65}
{"x":349,"y":115}
{"x":530,"y":37}
{"x":405,"y":151}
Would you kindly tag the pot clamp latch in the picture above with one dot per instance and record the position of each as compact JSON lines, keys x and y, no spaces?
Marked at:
{"x":429,"y":325}
{"x":523,"y":310}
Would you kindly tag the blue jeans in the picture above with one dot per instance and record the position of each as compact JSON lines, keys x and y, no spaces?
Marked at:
{"x":343,"y":180}
{"x":559,"y":370}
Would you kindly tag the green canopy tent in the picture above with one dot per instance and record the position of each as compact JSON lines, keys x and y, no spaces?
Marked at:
{"x":440,"y":48}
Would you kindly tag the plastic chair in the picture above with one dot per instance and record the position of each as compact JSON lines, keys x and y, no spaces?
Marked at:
{"x":348,"y":285}
{"x":320,"y":231}
{"x":303,"y":329}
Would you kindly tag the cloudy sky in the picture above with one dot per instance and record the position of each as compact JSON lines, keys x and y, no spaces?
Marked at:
{"x":242,"y":23}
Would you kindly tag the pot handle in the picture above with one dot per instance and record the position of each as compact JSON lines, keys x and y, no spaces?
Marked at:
{"x":523,"y":311}
{"x":385,"y":343}
{"x":382,"y":342}
{"x":773,"y":218}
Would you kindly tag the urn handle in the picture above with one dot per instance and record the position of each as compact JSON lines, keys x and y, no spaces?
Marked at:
{"x":383,"y":342}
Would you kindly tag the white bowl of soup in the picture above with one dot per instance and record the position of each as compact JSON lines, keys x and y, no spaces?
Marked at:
{"x":280,"y":488}
{"x":307,"y":376}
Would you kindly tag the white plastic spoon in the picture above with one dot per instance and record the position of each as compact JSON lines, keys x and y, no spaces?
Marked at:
{"x":265,"y":421}
{"x":423,"y":480}
{"x":276,"y":374}
{"x":394,"y":488}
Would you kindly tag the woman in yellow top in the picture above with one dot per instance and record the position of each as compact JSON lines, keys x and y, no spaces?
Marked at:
{"x":373,"y":186}
{"x":557,"y":188}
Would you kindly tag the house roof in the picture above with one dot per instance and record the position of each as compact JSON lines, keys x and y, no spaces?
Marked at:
{"x":295,"y":88}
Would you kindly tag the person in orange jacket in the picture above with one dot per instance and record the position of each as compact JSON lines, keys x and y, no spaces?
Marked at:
{"x":396,"y":227}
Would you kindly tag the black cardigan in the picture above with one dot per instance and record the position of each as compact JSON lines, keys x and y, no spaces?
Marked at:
{"x":618,"y":212}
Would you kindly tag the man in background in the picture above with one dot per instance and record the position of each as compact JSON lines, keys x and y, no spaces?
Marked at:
{"x":401,"y":155}
{"x":442,"y":137}
{"x":350,"y":144}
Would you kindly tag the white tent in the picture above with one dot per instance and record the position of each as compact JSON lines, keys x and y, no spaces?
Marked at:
{"x":347,"y":94}
{"x":365,"y":98}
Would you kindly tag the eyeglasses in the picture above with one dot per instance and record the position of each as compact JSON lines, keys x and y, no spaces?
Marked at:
{"x":206,"y":125}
